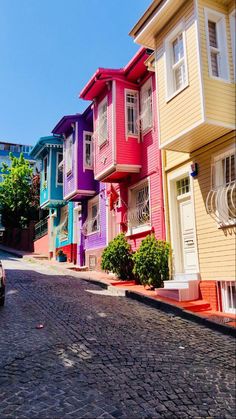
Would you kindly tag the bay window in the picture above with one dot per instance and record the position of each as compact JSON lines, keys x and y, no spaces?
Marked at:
{"x":88,"y":150}
{"x":146,"y":106}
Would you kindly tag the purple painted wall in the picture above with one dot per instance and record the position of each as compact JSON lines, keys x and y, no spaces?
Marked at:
{"x":98,"y":239}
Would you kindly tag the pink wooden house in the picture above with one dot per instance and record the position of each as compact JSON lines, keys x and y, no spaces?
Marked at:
{"x":126,"y":147}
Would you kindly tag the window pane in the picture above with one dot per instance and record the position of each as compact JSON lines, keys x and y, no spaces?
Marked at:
{"x":178,"y":49}
{"x":212,"y":34}
{"x":183,"y":186}
{"x":132,"y":112}
{"x":60,"y":169}
{"x":88,"y":154}
{"x":179,"y":74}
{"x":214,"y":64}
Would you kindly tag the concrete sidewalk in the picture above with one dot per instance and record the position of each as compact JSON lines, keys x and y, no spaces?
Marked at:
{"x":198,"y":311}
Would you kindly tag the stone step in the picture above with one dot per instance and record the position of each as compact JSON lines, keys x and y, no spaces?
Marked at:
{"x":172,"y":294}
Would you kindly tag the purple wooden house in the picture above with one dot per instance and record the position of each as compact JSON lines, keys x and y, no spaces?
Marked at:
{"x":79,"y":185}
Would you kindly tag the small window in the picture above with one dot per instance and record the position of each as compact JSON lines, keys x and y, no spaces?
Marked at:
{"x":69,"y":151}
{"x":216,"y":44}
{"x":92,"y":224}
{"x":146,"y":106}
{"x":88,"y":150}
{"x":176,"y":62}
{"x":183,"y":186}
{"x":131,"y":100}
{"x":45,"y":170}
{"x":102,"y":122}
{"x":59,"y":169}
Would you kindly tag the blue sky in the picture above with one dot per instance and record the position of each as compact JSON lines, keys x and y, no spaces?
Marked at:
{"x":49,"y":50}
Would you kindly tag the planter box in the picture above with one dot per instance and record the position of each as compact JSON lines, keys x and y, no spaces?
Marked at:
{"x":62,"y":258}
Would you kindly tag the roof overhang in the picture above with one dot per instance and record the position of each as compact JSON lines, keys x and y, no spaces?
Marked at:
{"x":153,"y":21}
{"x":45,"y":142}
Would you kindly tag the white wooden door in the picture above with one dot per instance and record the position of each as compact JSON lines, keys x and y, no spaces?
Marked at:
{"x":187,"y":234}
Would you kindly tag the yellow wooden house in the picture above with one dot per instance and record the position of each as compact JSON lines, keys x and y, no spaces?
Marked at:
{"x":194,"y":61}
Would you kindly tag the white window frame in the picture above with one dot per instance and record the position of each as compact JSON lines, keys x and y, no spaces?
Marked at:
{"x":146,"y":115}
{"x":87,"y":166}
{"x":69,"y":155}
{"x":218,"y":181}
{"x":102,"y":139}
{"x":132,"y":204}
{"x":232,"y":19}
{"x":171,"y":92}
{"x":136,"y":124}
{"x":57,"y":169}
{"x":222,"y":48}
{"x":91,"y":203}
{"x":227,"y":296}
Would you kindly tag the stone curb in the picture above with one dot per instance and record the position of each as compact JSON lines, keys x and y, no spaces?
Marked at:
{"x":169,"y":308}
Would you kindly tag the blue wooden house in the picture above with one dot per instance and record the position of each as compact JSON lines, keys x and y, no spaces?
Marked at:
{"x":59,"y":224}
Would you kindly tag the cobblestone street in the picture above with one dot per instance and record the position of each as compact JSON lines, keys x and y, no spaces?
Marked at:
{"x":102,"y":356}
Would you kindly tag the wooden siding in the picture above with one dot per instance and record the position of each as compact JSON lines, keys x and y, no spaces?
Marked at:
{"x":185,"y":109}
{"x":216,"y":246}
{"x":219,"y":95}
{"x":174,"y":158}
{"x":128,"y":150}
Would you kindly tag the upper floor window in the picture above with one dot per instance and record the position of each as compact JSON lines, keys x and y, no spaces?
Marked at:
{"x":176,"y":62}
{"x":216,"y":44}
{"x":88,"y":150}
{"x":102,"y":122}
{"x":232,"y":18}
{"x":59,"y":169}
{"x":131,"y":104}
{"x":69,"y":151}
{"x":45,"y":169}
{"x":146,"y":105}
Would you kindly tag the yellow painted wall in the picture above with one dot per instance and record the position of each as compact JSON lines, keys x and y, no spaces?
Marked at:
{"x":216,"y":246}
{"x":219,"y":95}
{"x":184,"y":110}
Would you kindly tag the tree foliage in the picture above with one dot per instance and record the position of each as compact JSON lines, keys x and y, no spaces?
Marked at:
{"x":19,"y":194}
{"x":117,"y":257}
{"x":151,"y":261}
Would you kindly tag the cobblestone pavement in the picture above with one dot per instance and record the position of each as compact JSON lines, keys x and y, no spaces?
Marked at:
{"x":101,"y":356}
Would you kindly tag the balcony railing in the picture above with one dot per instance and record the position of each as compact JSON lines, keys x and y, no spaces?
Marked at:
{"x":91,"y":225}
{"x":221,"y":204}
{"x":41,"y":229}
{"x":138,"y":216}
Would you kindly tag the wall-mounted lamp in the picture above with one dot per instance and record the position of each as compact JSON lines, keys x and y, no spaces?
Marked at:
{"x":194,"y":170}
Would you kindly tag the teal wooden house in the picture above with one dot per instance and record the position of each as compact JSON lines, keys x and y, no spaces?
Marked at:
{"x":50,"y":151}
{"x":59,"y":220}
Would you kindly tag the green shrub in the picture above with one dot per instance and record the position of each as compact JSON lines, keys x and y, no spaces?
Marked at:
{"x":117,"y":257}
{"x":151,"y":262}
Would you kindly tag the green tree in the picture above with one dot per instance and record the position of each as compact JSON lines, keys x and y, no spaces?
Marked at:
{"x":18,"y":193}
{"x":151,"y":262}
{"x":117,"y":257}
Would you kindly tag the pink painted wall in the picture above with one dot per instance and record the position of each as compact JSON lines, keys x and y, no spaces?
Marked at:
{"x":128,"y":149}
{"x":150,"y":157}
{"x":41,"y":245}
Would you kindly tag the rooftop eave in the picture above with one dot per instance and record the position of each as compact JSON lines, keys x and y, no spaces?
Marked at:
{"x":145,"y":33}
